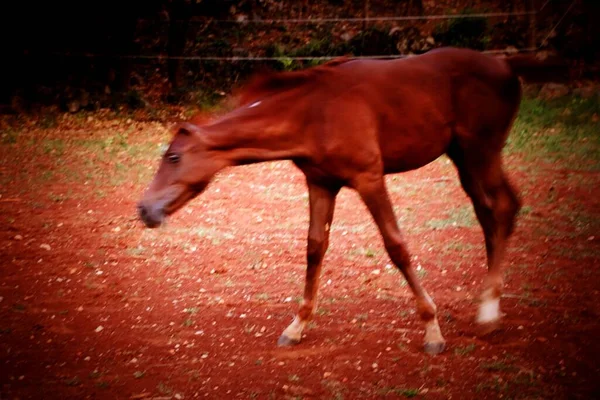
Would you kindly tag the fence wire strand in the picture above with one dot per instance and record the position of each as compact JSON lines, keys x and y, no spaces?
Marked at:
{"x":364,"y":19}
{"x":163,"y":57}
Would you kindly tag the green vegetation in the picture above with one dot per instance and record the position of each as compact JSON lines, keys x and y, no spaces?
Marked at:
{"x":398,"y":391}
{"x":464,"y":32}
{"x":565,"y":129}
{"x":463,"y":351}
{"x":458,"y":217}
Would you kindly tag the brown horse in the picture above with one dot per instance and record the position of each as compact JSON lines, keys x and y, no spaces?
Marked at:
{"x":348,"y":123}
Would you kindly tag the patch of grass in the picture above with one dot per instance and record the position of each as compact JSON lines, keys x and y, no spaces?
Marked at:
{"x":336,"y":388}
{"x":399,"y":391}
{"x":497,"y":366}
{"x":194,"y":375}
{"x":561,"y":129}
{"x":584,"y":221}
{"x":525,"y":210}
{"x":163,"y":389}
{"x":48,"y":120}
{"x":458,"y":249}
{"x":575,"y":253}
{"x":370,"y":253}
{"x":463,"y":351}
{"x":191,"y":310}
{"x":10,"y":136}
{"x":458,"y":217}
{"x":95,"y":374}
{"x":362,"y":317}
{"x":72,"y":381}
{"x":54,"y":146}
{"x":57,"y":198}
{"x":494,"y":385}
{"x":262,"y":296}
{"x":102,"y":385}
{"x":136,"y":251}
{"x":46,"y":176}
{"x":322,"y":311}
{"x":523,"y":383}
{"x":403,"y":348}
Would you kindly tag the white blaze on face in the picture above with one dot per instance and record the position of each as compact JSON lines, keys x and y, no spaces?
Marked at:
{"x":254,"y":104}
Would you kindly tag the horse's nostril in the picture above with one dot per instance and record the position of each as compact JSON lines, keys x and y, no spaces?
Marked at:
{"x":142,"y":210}
{"x":150,"y":215}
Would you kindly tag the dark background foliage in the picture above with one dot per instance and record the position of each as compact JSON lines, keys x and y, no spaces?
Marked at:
{"x":85,"y":55}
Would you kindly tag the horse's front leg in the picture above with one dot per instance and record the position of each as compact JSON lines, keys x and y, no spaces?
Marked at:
{"x":322,"y":204}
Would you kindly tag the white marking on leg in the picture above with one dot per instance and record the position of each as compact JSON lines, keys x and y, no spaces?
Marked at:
{"x":294,"y":330}
{"x":489,"y":311}
{"x":433,"y":333}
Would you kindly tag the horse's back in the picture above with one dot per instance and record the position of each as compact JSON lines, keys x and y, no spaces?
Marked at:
{"x":412,"y":103}
{"x":424,"y":102}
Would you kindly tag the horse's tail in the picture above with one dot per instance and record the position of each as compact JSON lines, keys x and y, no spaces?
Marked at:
{"x":534,"y":69}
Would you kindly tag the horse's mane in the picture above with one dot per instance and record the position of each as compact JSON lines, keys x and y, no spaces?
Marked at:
{"x":268,"y":82}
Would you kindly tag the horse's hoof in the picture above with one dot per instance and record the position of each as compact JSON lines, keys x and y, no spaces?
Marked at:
{"x":486,"y":328}
{"x":434,"y":347}
{"x":284,"y":341}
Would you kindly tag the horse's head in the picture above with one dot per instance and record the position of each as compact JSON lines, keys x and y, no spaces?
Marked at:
{"x":185,"y":170}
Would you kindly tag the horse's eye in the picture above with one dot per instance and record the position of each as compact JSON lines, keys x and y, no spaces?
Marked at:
{"x":173,"y":158}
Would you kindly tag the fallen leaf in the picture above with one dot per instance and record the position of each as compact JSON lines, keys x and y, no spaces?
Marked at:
{"x":140,"y":396}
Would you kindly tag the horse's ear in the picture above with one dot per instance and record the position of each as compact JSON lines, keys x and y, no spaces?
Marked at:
{"x":194,"y":131}
{"x":187,"y":129}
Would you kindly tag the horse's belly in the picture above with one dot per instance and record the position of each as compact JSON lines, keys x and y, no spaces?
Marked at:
{"x":415,"y":127}
{"x":411,"y":149}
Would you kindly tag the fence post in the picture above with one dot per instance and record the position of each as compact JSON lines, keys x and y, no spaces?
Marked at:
{"x":530,"y":7}
{"x":366,"y":12}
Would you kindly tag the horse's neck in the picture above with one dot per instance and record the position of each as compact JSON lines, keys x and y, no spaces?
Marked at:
{"x":255,"y":142}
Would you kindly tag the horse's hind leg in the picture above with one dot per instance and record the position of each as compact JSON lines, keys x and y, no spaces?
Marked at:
{"x":371,"y":188}
{"x":496,"y":205}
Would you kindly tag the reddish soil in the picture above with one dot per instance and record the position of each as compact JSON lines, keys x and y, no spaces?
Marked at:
{"x":92,"y":305}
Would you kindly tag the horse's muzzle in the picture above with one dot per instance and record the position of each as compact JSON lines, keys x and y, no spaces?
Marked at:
{"x":152,"y":216}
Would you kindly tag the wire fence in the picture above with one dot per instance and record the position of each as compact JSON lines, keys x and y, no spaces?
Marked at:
{"x":366,"y":19}
{"x":163,"y":57}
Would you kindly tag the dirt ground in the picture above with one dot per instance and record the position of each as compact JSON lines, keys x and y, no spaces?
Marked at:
{"x":93,"y":305}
